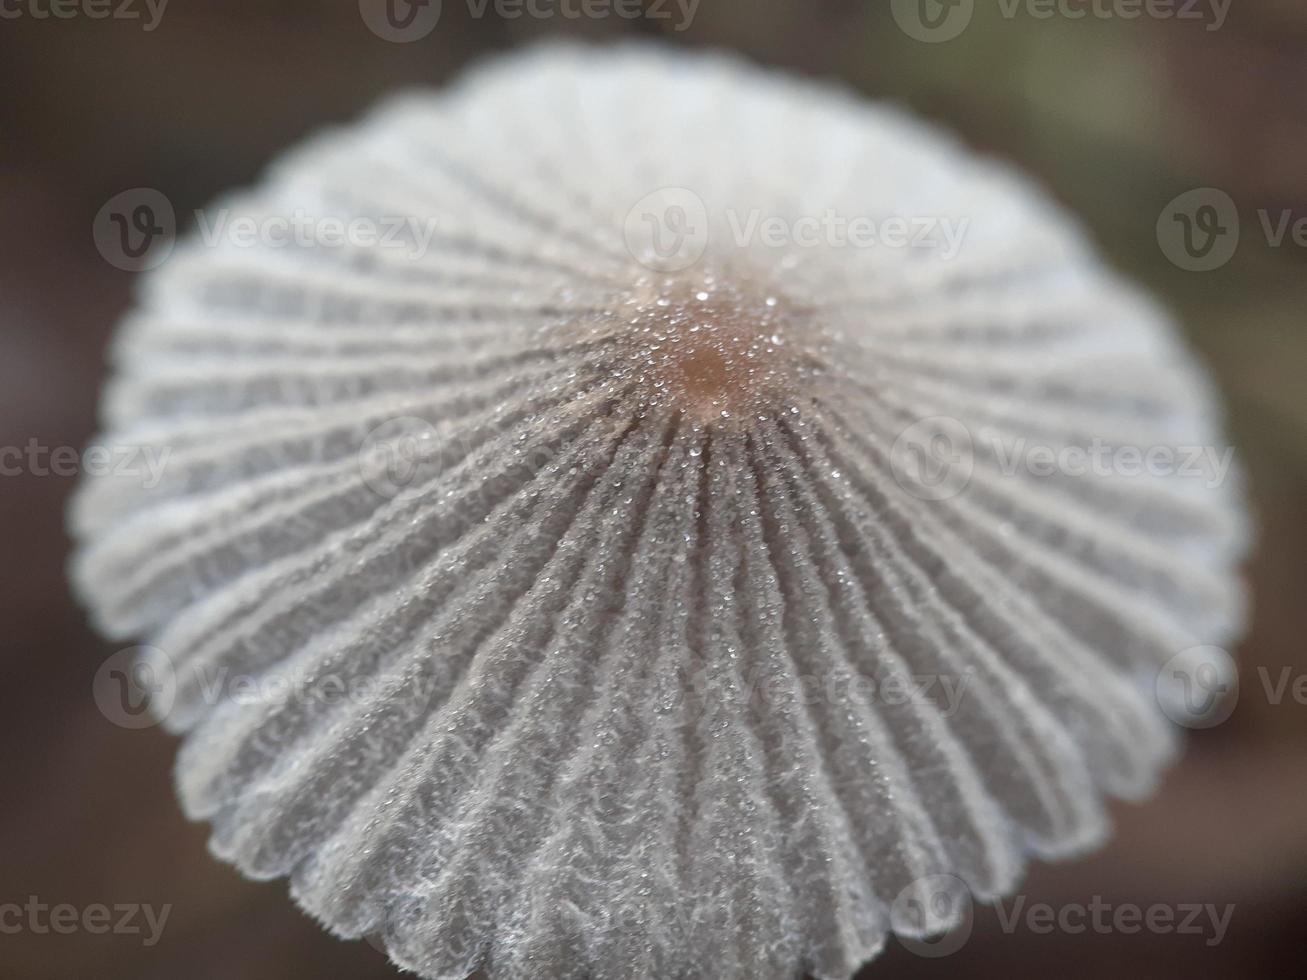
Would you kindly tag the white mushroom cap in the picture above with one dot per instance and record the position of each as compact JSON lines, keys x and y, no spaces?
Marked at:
{"x":545,"y":597}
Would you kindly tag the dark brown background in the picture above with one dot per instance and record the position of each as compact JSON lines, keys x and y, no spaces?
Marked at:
{"x":1115,"y":117}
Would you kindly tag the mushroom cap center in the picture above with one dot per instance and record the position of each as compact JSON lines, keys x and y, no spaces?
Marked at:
{"x":713,"y":347}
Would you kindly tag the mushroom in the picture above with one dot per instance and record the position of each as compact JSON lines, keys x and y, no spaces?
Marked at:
{"x":624,"y":551}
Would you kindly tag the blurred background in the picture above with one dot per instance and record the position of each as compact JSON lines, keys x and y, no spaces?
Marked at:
{"x":1116,"y":107}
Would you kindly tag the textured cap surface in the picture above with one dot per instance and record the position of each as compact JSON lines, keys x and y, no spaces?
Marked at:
{"x":580,"y":583}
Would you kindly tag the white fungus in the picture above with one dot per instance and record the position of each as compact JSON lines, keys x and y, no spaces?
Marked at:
{"x":709,"y":510}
